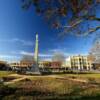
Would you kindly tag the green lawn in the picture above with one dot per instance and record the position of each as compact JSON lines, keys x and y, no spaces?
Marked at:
{"x":91,"y":75}
{"x":5,"y":73}
{"x":53,"y":88}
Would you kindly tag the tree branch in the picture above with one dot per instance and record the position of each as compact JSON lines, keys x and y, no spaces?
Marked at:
{"x":92,"y":18}
{"x":91,"y":30}
{"x":74,"y":24}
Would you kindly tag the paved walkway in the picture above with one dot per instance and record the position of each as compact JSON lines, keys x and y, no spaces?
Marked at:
{"x":22,"y":77}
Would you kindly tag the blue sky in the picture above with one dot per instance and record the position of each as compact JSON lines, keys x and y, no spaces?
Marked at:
{"x":17,"y":34}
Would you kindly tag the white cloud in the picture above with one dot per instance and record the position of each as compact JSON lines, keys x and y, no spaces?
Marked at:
{"x":32,"y":54}
{"x":17,"y":40}
{"x":9,"y":58}
{"x":45,"y":55}
{"x":24,"y":42}
{"x":63,"y":51}
{"x":26,"y":53}
{"x":55,"y":50}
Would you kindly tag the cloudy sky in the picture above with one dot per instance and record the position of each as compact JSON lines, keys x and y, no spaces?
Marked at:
{"x":17,"y":34}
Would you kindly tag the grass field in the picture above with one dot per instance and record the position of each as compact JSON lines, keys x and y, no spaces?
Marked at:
{"x":91,"y":75}
{"x":5,"y":73}
{"x":53,"y":87}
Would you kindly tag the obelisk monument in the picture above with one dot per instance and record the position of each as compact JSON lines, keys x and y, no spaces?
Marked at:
{"x":36,"y":50}
{"x":35,"y":67}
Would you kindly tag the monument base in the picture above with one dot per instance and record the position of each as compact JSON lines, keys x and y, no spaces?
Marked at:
{"x":34,"y":70}
{"x":32,"y":73}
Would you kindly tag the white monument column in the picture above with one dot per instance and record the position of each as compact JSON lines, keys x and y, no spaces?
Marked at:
{"x":36,"y":50}
{"x":35,"y":67}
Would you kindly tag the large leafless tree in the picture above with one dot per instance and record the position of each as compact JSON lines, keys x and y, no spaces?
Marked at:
{"x":58,"y":57}
{"x":95,"y":51}
{"x":27,"y":58}
{"x":69,"y":16}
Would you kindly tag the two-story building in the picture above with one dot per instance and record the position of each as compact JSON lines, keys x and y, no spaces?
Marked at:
{"x":80,"y":63}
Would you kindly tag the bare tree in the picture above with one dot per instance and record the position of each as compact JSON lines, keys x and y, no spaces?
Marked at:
{"x":27,"y":58}
{"x":59,"y":57}
{"x":69,"y":16}
{"x":95,"y":50}
{"x":91,"y":57}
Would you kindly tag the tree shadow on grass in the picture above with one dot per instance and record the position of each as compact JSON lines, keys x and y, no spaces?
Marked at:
{"x":8,"y":93}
